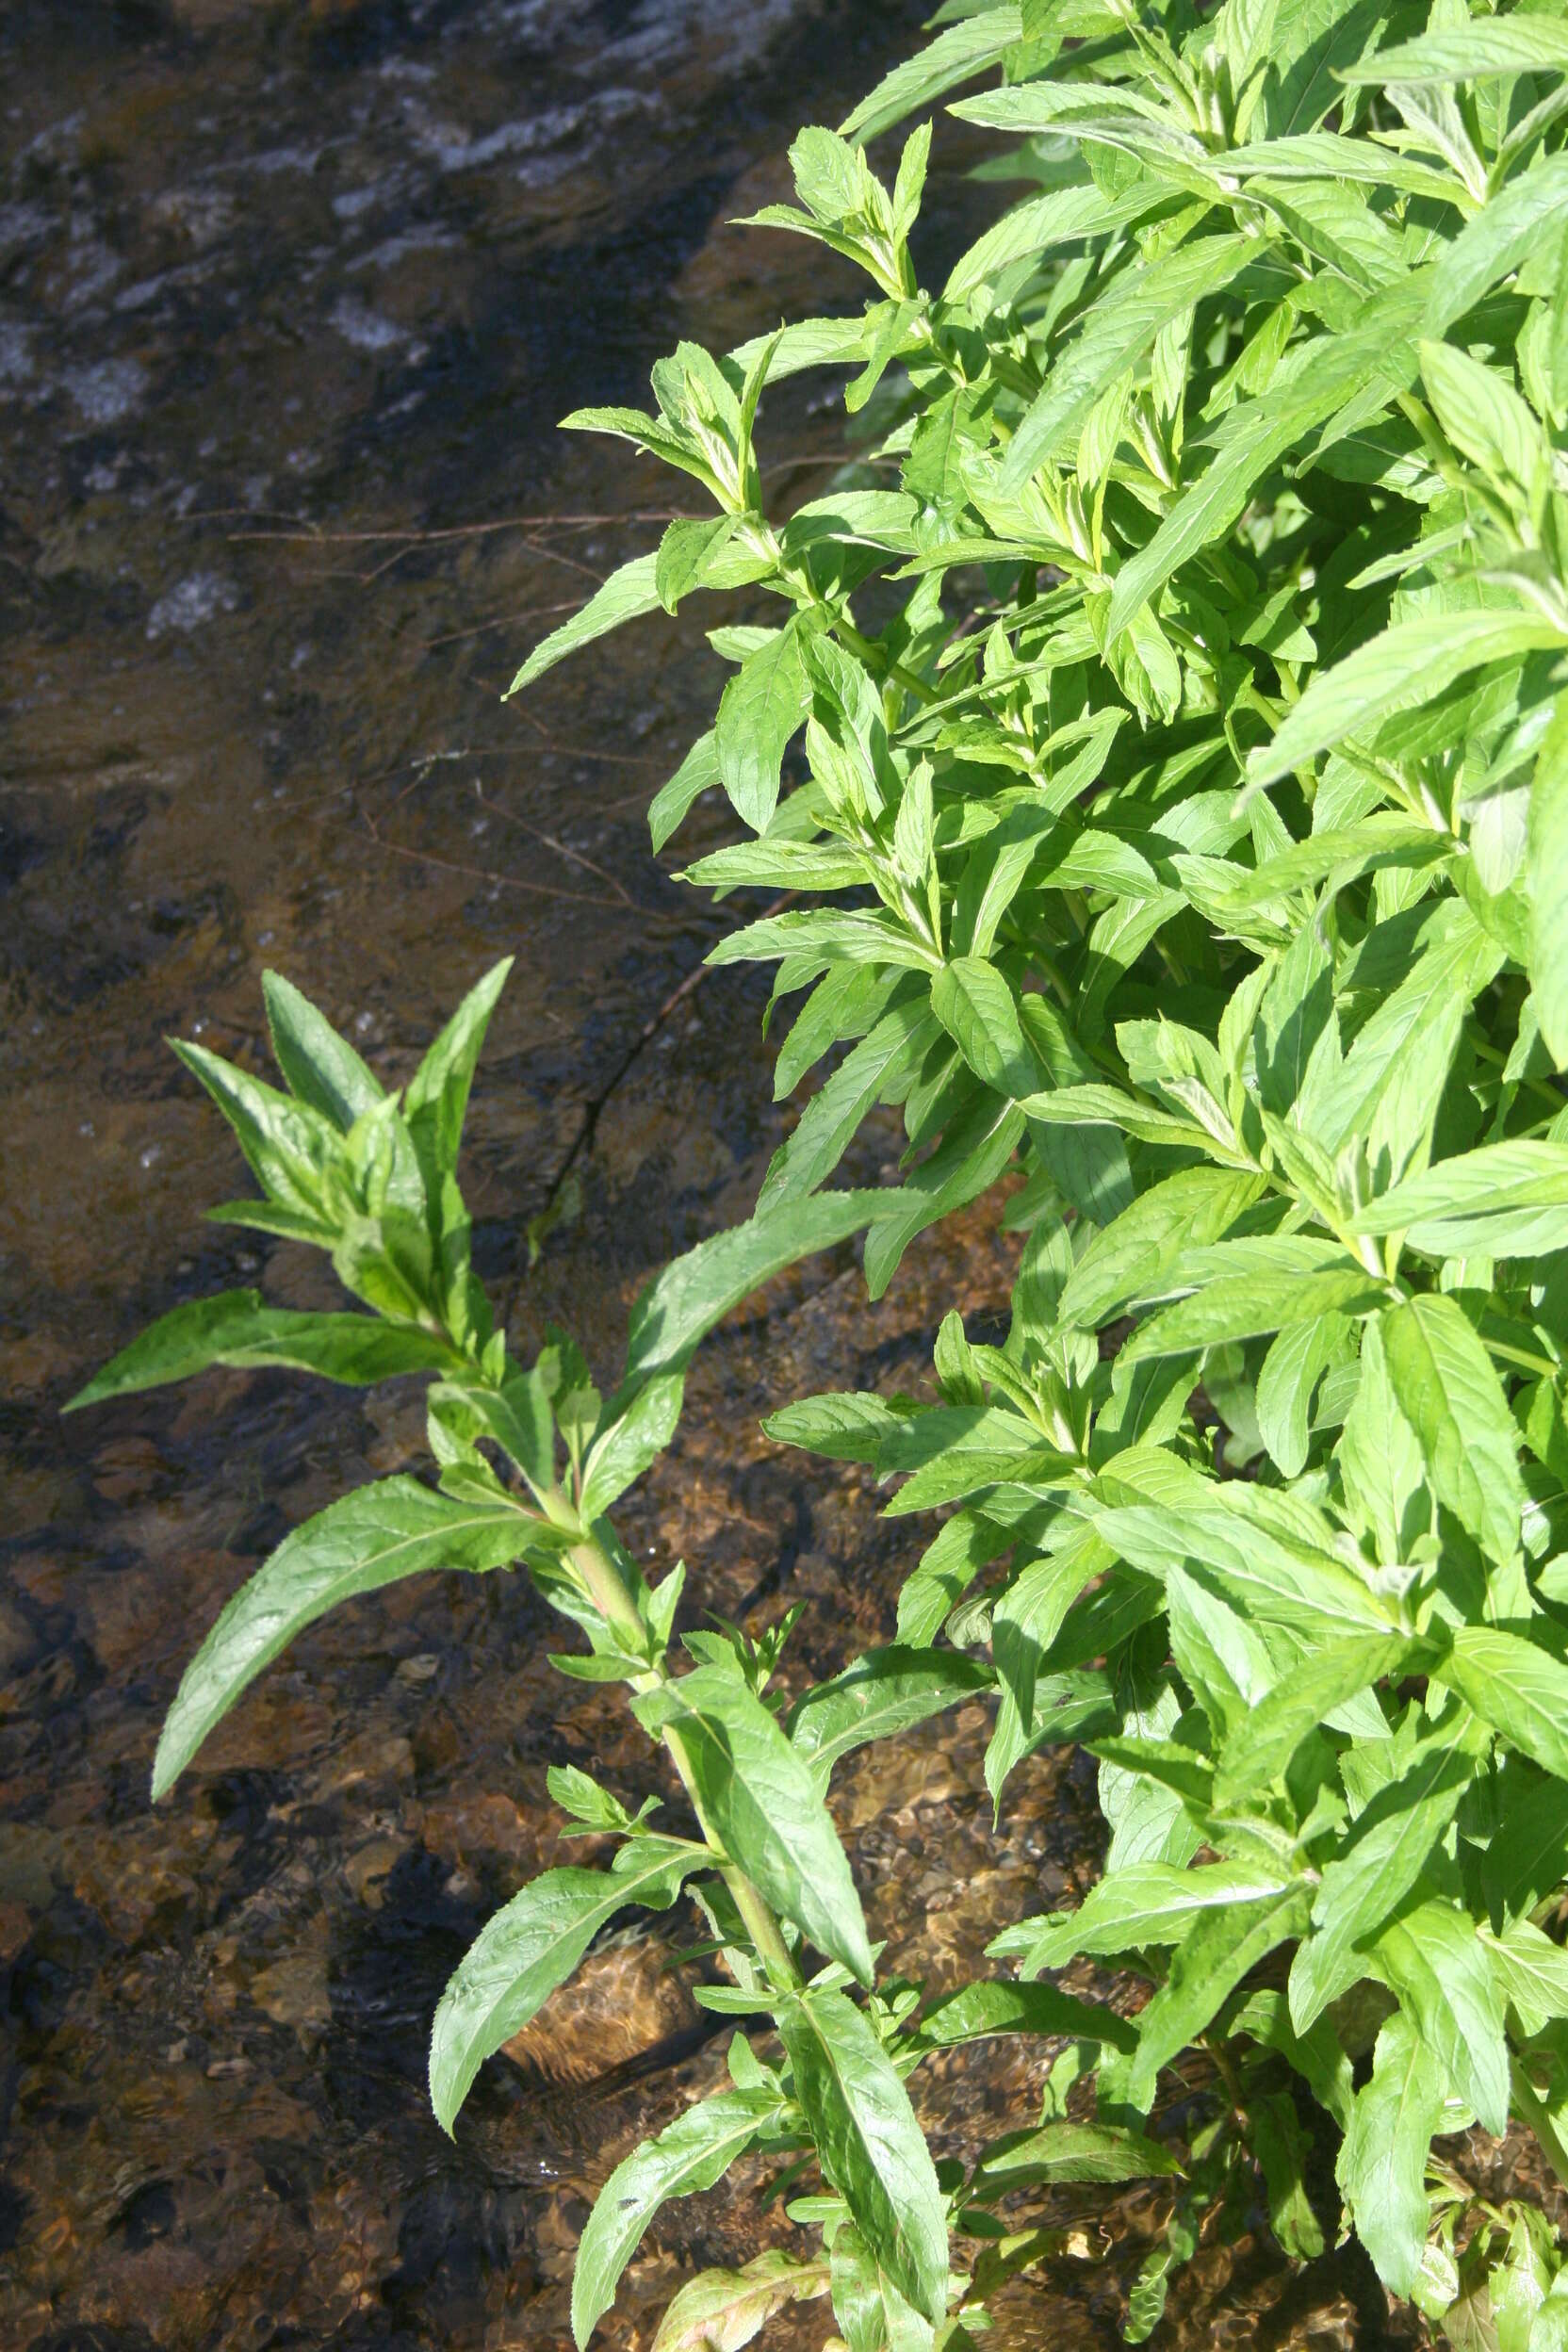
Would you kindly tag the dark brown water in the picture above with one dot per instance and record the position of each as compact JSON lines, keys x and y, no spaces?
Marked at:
{"x":290,"y":298}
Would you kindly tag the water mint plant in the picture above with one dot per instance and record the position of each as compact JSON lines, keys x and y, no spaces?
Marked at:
{"x":1181,"y":816}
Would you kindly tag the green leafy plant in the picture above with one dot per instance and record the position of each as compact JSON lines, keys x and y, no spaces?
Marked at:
{"x":1183,"y":784}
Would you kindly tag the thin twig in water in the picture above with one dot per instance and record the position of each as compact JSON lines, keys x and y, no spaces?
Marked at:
{"x":477,"y":874}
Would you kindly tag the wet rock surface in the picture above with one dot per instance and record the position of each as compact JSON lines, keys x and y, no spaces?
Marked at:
{"x":291,"y":296}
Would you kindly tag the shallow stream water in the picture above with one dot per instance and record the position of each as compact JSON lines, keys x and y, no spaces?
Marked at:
{"x":291,"y":296}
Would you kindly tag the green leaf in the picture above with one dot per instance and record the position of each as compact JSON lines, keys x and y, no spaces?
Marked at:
{"x":761,"y":707}
{"x":1141,"y":1904}
{"x":976,"y":2012}
{"x":1266,"y":1562}
{"x":1248,"y":1305}
{"x":1483,"y":415}
{"x":1517,"y":1689}
{"x":1286,"y":1382}
{"x":1126,"y":1261}
{"x":1462,"y":53}
{"x":1444,"y":1383}
{"x":891,"y":1050}
{"x":1375,"y":1869}
{"x":1382,"y":2163}
{"x":1119,"y":328}
{"x":374,"y":1537}
{"x":690,"y":2154}
{"x":697,"y":773}
{"x":1071,"y":2151}
{"x":719,"y":2310}
{"x":1508,"y":227}
{"x":288,"y":1147}
{"x":977,"y":1008}
{"x":531,"y":1946}
{"x":1506,"y":1200}
{"x":1216,"y":1953}
{"x":1408,"y":665}
{"x":1283,"y":2149}
{"x":1437,"y":1964}
{"x":675,"y":1314}
{"x":626,"y":596}
{"x":884,"y":1692}
{"x":869,"y":2145}
{"x":763,"y":1801}
{"x":1375,"y":355}
{"x":436,"y":1102}
{"x":631,"y":1443}
{"x":956,"y":56}
{"x":1260,"y":1749}
{"x":321,"y":1069}
{"x":238,"y":1328}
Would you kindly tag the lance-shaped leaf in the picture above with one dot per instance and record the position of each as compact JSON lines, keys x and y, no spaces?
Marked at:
{"x":1408,"y":665}
{"x":760,"y":708}
{"x":436,"y":1102}
{"x":238,"y":1328}
{"x":1547,"y":867}
{"x":1281,"y":1577}
{"x":882,"y":1693}
{"x":1382,"y":2163}
{"x":977,"y":1008}
{"x":956,"y":56}
{"x":532,"y":1945}
{"x":676,"y":1313}
{"x":377,"y":1536}
{"x":1143,"y":1903}
{"x":1216,"y":1953}
{"x":1071,"y":2151}
{"x":1441,"y":1970}
{"x":689,"y":2155}
{"x":719,"y":2310}
{"x":1506,"y":1200}
{"x":1262,"y":1745}
{"x":322,"y":1068}
{"x":1444,"y":1383}
{"x":288,"y":1145}
{"x":626,"y":596}
{"x":630,"y":1444}
{"x":1375,"y":1869}
{"x":869,"y":2145}
{"x":1517,"y":1689}
{"x":976,"y":2012}
{"x":763,"y":1801}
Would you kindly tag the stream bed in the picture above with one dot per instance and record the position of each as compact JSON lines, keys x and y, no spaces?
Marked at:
{"x":292,"y":293}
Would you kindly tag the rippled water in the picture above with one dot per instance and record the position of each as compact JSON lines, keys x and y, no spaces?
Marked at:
{"x":290,"y":298}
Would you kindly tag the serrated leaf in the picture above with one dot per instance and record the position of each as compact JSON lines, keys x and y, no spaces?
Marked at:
{"x":1382,"y":2163}
{"x":868,"y":2144}
{"x":675,"y":1314}
{"x":719,"y":2310}
{"x":626,"y":596}
{"x":628,"y":1447}
{"x":760,"y":708}
{"x":321,"y":1068}
{"x":532,"y":1945}
{"x":1444,"y":1383}
{"x":238,"y":1328}
{"x":690,"y":2155}
{"x":765,"y":1803}
{"x":375,"y":1537}
{"x":1410,"y":664}
{"x":884,"y":1692}
{"x":1439,"y":1966}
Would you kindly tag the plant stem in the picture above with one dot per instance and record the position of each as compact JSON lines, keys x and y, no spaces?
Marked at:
{"x":608,"y":1591}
